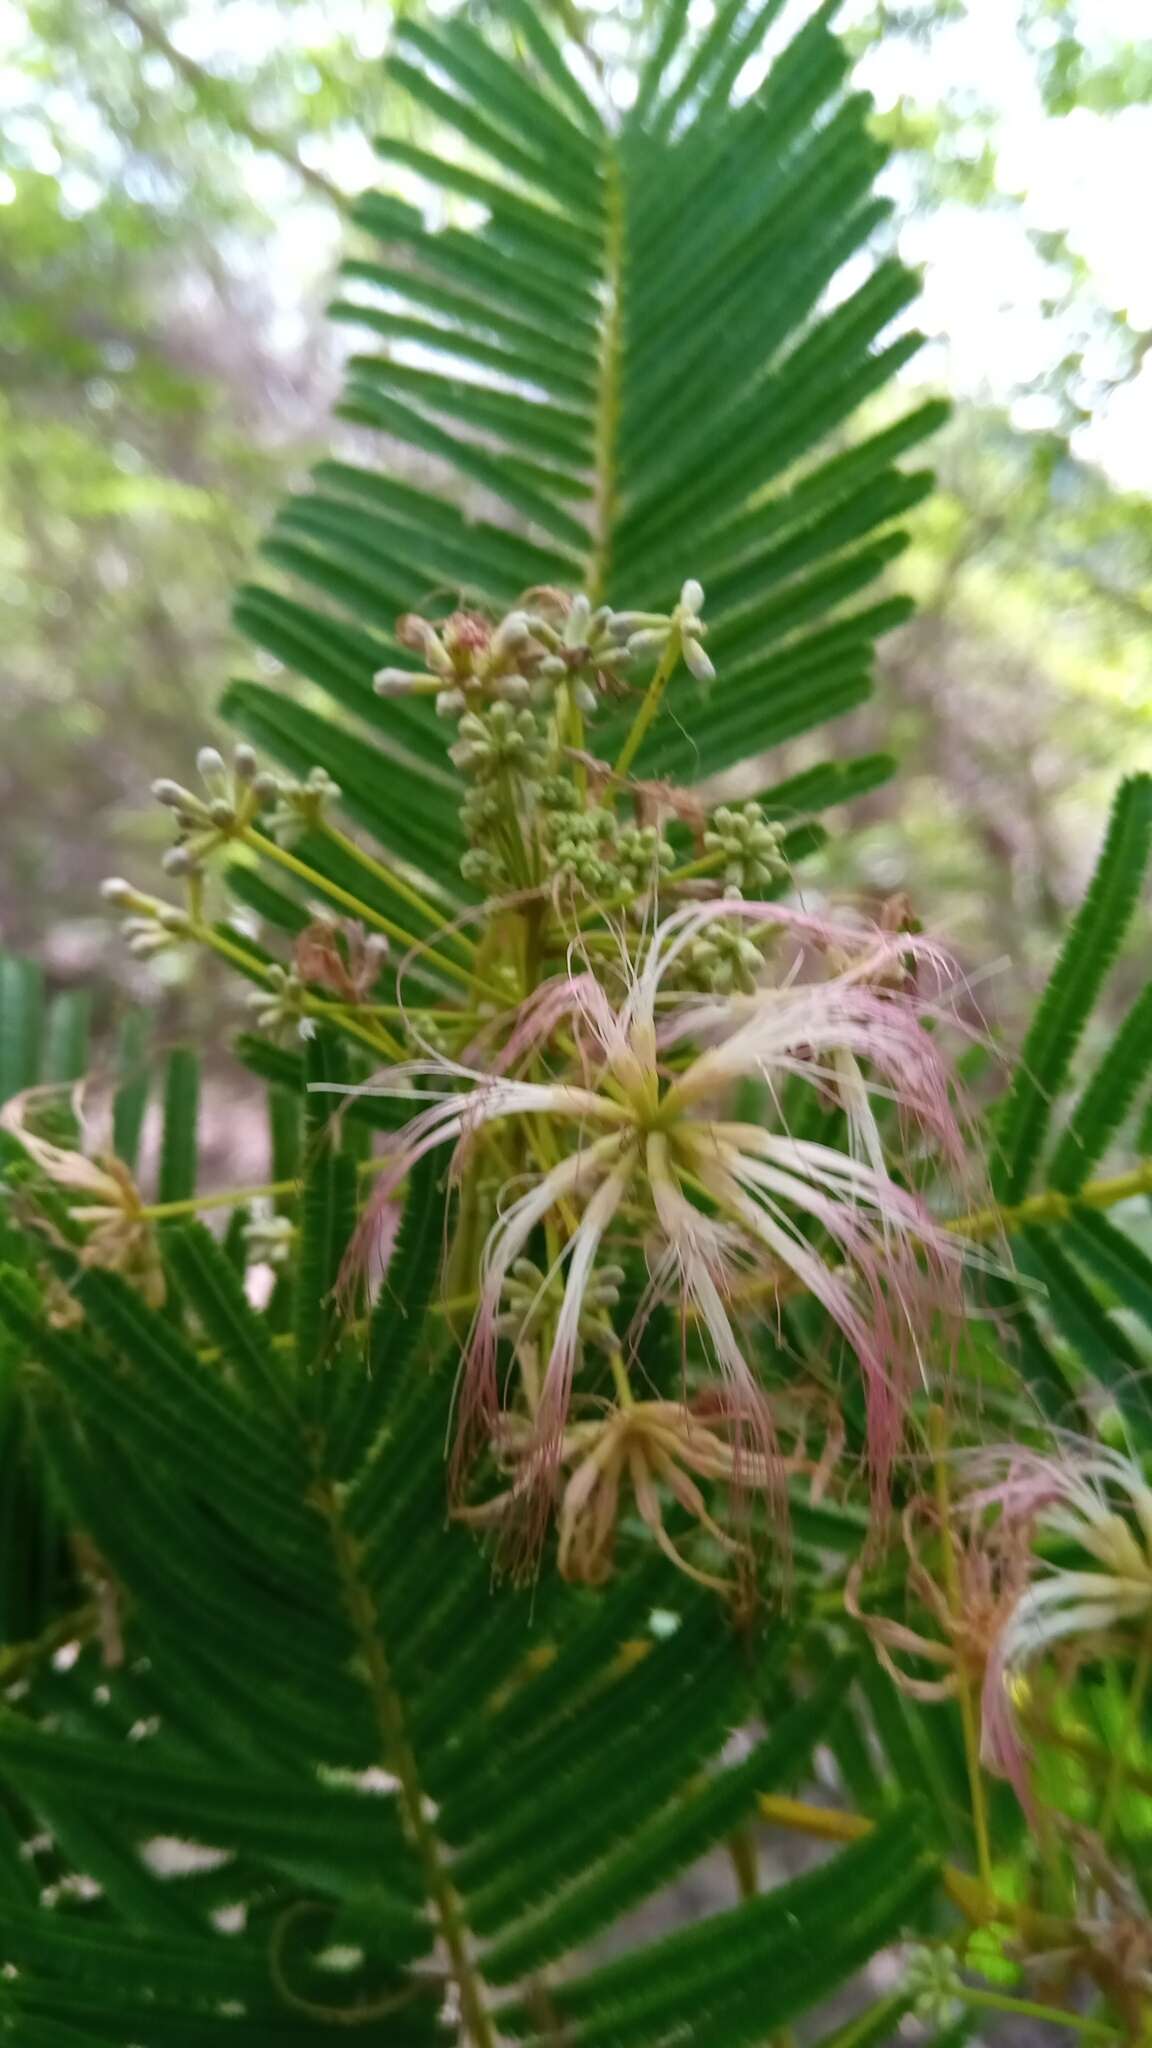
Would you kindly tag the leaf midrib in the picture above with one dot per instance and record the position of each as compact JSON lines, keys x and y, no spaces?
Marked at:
{"x":399,"y":1757}
{"x":607,"y":410}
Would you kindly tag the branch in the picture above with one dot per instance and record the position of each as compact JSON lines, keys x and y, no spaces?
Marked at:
{"x":210,"y":89}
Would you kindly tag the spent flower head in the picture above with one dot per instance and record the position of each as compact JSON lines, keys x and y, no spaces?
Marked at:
{"x":102,"y":1198}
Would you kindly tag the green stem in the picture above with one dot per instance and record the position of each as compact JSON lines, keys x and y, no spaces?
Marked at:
{"x":650,"y":703}
{"x":377,"y":1041}
{"x":399,"y":887}
{"x":969,"y":1713}
{"x":18,"y":1658}
{"x":1030,"y":2009}
{"x":399,"y":1757}
{"x":280,"y":856}
{"x":607,"y":381}
{"x":1053,"y":1206}
{"x":708,"y":864}
{"x":224,"y":1198}
{"x":1118,"y":1765}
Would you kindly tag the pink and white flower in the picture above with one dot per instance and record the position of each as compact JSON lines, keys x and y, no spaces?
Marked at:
{"x":726,"y":1206}
{"x":1098,"y":1503}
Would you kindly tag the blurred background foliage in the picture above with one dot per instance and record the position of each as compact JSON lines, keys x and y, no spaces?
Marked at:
{"x":170,"y":186}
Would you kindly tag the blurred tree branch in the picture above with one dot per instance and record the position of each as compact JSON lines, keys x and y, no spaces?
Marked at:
{"x":219,"y":100}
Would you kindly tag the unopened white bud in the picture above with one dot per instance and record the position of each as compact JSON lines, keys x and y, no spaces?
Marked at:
{"x":648,"y":640}
{"x":245,"y":764}
{"x":691,"y":595}
{"x":697,"y":662}
{"x":116,"y":890}
{"x":210,"y":762}
{"x":178,"y":861}
{"x":511,"y":634}
{"x":170,"y":793}
{"x":394,"y":682}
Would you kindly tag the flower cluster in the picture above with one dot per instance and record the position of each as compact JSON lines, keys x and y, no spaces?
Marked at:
{"x":665,"y":1092}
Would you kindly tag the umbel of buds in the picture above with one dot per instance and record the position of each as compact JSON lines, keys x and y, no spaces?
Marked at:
{"x":557,"y":644}
{"x":153,"y":926}
{"x":647,"y":633}
{"x":233,"y":799}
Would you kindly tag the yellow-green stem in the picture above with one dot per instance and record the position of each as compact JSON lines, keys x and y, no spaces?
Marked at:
{"x":1133,"y":1715}
{"x":18,"y":1658}
{"x":830,"y":1824}
{"x":650,"y":703}
{"x":399,"y":887}
{"x":224,"y":1198}
{"x":708,"y":864}
{"x":969,"y":1711}
{"x":1053,"y":1206}
{"x":233,"y":1198}
{"x":1030,"y":2009}
{"x":281,"y":857}
{"x":378,"y":1041}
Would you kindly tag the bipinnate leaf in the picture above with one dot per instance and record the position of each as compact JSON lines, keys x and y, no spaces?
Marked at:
{"x":1091,"y":946}
{"x":632,"y":372}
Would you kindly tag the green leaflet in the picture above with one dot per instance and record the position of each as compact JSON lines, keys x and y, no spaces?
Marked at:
{"x":1124,"y":1269}
{"x":66,"y":1028}
{"x":212,"y":1289}
{"x":327,"y":1202}
{"x":743,"y":1973}
{"x":1106,"y":1099}
{"x":130,"y":1100}
{"x":670,"y":1839}
{"x":21,"y":1011}
{"x":1089,"y":950}
{"x":1092,"y":1333}
{"x":178,"y":1145}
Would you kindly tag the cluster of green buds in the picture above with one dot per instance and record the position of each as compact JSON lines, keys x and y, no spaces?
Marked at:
{"x":750,"y":845}
{"x":501,"y":752}
{"x":934,"y":1985}
{"x":533,"y":1299}
{"x":723,"y":959}
{"x":235,"y":797}
{"x":152,"y":925}
{"x":592,"y":848}
{"x":497,"y":744}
